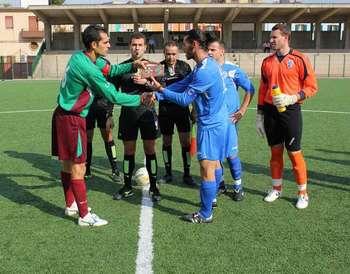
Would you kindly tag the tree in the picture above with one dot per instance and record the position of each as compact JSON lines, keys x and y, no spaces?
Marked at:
{"x":56,"y":2}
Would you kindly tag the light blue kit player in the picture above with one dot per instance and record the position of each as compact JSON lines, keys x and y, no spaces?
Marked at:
{"x":206,"y":88}
{"x":235,"y":77}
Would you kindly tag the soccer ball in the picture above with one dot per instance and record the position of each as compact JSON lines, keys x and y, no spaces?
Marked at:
{"x":141,"y":177}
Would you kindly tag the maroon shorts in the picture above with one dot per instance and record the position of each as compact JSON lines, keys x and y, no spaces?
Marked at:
{"x":69,"y":139}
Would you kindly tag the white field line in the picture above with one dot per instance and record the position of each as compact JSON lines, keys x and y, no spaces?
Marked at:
{"x":145,"y":244}
{"x":319,"y":111}
{"x":117,"y":107}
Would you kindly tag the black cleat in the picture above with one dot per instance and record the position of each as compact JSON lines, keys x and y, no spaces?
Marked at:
{"x":116,"y":176}
{"x":188,"y":180}
{"x":155,"y":194}
{"x":238,"y":195}
{"x":196,"y":218}
{"x":222,"y":188}
{"x":124,"y":192}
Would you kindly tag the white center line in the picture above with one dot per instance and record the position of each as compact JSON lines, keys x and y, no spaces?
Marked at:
{"x":145,"y":244}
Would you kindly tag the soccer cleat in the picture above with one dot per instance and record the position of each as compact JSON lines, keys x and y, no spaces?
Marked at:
{"x":222,"y":188}
{"x":73,"y":210}
{"x":116,"y":176}
{"x":155,"y":194}
{"x":91,"y":219}
{"x":303,"y":202}
{"x":214,"y":204}
{"x":272,"y":195}
{"x":196,"y":218}
{"x":188,"y":180}
{"x":238,"y":195}
{"x":124,"y":192}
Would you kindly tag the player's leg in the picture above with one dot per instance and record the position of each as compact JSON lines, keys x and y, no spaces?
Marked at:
{"x":90,"y":137}
{"x":127,"y":132}
{"x":183,"y":124}
{"x":218,"y":179}
{"x":166,"y":125}
{"x":71,"y":148}
{"x":293,"y":146}
{"x":211,"y":150}
{"x":90,"y":126}
{"x":167,"y":157}
{"x":110,"y":148}
{"x":274,"y":133}
{"x":149,"y":133}
{"x":152,"y":167}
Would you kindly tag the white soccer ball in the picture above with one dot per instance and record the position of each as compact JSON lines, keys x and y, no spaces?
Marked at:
{"x":141,"y":176}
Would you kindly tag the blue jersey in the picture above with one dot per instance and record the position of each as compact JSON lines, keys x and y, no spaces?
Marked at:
{"x":235,"y":77}
{"x":206,"y":88}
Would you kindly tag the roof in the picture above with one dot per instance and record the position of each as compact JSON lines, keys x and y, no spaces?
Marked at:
{"x":207,"y":13}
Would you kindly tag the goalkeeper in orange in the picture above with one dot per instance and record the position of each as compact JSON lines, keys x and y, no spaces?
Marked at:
{"x":292,"y":72}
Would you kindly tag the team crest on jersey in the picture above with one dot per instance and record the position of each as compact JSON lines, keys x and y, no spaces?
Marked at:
{"x":232,"y":73}
{"x":290,"y":63}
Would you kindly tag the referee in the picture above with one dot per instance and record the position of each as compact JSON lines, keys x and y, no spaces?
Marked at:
{"x":133,"y":119}
{"x":171,"y":114}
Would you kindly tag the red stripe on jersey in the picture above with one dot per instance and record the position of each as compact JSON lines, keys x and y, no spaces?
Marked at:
{"x":82,"y":101}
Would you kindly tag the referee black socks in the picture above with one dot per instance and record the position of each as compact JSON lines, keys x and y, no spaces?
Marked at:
{"x":152,"y":168}
{"x":186,"y":159}
{"x":128,"y":168}
{"x":111,"y":154}
{"x":167,"y":155}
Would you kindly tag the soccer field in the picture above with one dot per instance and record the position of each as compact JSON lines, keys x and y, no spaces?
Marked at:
{"x":246,"y":237}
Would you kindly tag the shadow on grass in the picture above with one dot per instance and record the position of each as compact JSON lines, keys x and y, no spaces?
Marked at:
{"x":19,"y":194}
{"x":98,"y":182}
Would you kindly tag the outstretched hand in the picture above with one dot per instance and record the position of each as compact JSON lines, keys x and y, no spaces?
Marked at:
{"x":148,"y":99}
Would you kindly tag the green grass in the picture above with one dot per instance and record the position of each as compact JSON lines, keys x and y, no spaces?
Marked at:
{"x":246,"y":237}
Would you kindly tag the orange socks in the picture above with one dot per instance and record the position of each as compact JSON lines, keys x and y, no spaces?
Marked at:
{"x":299,"y":170}
{"x":276,"y":167}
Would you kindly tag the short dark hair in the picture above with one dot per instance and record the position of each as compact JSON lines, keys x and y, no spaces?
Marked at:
{"x":203,"y":38}
{"x":217,"y":40}
{"x":283,"y":28}
{"x":92,"y":34}
{"x":137,"y":35}
{"x":170,"y":44}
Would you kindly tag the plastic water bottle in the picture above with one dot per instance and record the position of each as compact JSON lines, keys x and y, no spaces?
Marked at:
{"x":277,"y":91}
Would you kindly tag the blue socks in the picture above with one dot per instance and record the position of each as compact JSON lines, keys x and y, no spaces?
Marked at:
{"x":218,"y":177}
{"x":207,"y":193}
{"x":236,"y":171}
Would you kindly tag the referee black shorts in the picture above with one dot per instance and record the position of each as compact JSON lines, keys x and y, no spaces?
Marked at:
{"x":100,"y":115}
{"x":283,"y":127}
{"x":170,"y":115}
{"x":131,"y":121}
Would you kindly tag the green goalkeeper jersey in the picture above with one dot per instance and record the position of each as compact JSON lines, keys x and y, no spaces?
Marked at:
{"x":84,"y":79}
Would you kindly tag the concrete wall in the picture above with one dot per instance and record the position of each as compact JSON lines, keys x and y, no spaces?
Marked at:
{"x":326,"y":64}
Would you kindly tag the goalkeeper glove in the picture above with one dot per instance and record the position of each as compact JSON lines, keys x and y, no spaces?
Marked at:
{"x":283,"y":100}
{"x":260,"y":125}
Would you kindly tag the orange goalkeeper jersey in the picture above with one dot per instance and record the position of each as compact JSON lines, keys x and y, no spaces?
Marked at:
{"x":293,"y":74}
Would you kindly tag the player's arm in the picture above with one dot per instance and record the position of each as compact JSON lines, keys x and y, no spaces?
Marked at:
{"x":181,"y":85}
{"x":113,"y":70}
{"x":97,"y":82}
{"x":242,"y":80}
{"x":309,"y":80}
{"x":263,"y":89}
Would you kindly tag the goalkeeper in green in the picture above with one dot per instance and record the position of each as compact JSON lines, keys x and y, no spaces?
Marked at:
{"x":83,"y":79}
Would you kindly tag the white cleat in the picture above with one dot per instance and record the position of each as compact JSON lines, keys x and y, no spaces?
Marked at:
{"x":73,"y":210}
{"x":272,"y":195}
{"x":303,"y":202}
{"x":91,"y":219}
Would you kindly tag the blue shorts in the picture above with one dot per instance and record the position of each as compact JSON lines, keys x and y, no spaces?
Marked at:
{"x":211,"y":143}
{"x":231,"y":148}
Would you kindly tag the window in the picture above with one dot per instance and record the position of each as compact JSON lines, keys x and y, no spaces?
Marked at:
{"x":9,"y":22}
